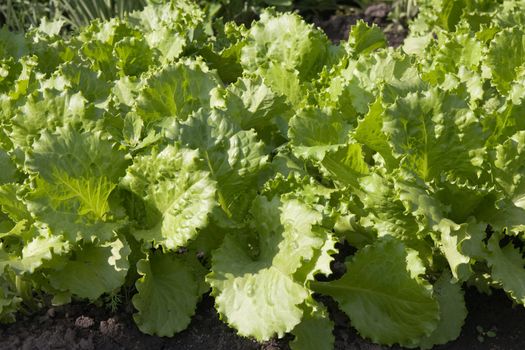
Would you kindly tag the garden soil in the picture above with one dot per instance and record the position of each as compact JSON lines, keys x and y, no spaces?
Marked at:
{"x":82,"y":326}
{"x":337,"y":26}
{"x":493,"y":322}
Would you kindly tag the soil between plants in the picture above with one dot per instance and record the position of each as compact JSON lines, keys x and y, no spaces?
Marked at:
{"x":337,"y":26}
{"x":85,"y":326}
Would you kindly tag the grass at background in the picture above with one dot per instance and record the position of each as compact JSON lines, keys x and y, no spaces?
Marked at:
{"x":19,"y":15}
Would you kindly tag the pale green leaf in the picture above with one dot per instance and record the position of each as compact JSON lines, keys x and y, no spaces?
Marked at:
{"x":452,"y":312}
{"x":433,"y":133}
{"x":506,"y":54}
{"x":305,"y":50}
{"x":77,"y":154}
{"x":93,"y":270}
{"x":245,"y":264}
{"x":509,"y":168}
{"x":384,"y":296}
{"x":77,"y":172}
{"x":177,"y":196}
{"x":40,"y":250}
{"x":451,"y":238}
{"x":369,"y":132}
{"x":313,"y":133}
{"x":314,"y":332}
{"x":507,"y":265}
{"x":364,"y":39}
{"x":8,"y":173}
{"x":235,"y":158}
{"x":167,"y":295}
{"x":176,"y":91}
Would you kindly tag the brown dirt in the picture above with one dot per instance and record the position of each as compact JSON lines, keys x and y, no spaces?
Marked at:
{"x":83,"y":326}
{"x":337,"y":26}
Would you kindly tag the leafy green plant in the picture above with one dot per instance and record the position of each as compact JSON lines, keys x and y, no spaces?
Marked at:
{"x":146,"y":152}
{"x":482,"y":333}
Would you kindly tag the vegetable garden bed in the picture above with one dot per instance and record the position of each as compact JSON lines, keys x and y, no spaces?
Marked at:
{"x":159,"y":164}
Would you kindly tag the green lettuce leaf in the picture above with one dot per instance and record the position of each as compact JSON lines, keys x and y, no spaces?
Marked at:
{"x":314,"y":332}
{"x":77,"y":173}
{"x":313,"y":133}
{"x":305,"y":52}
{"x":234,"y":158}
{"x":167,"y":296}
{"x":384,"y":295}
{"x":47,"y":112}
{"x":451,"y":239}
{"x":169,"y":27}
{"x":176,"y":91}
{"x":8,"y":167}
{"x":40,"y":250}
{"x":252,"y":103}
{"x":176,"y":197}
{"x":505,"y":57}
{"x":93,"y":270}
{"x":269,"y":254}
{"x":452,"y":312}
{"x":364,"y":39}
{"x":434,"y":133}
{"x":507,"y":267}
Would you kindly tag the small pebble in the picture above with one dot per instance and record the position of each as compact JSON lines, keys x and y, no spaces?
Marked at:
{"x":51,"y":312}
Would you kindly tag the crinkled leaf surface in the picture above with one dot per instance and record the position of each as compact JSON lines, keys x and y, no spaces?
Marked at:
{"x":364,"y":39}
{"x":167,"y":296}
{"x":93,"y":270}
{"x":451,"y":238}
{"x":54,"y":109}
{"x":8,"y":168}
{"x":505,"y":56}
{"x":252,"y":103}
{"x":305,"y":51}
{"x":243,"y":268}
{"x":509,"y":168}
{"x":77,"y":173}
{"x":177,"y":196}
{"x":40,"y":250}
{"x":384,"y":296}
{"x":233,"y":157}
{"x":507,"y":265}
{"x":169,"y":27}
{"x":176,"y":91}
{"x":433,"y":133}
{"x":314,"y":133}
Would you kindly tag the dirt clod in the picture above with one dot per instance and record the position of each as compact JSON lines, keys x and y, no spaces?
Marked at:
{"x":84,"y":322}
{"x":380,"y":10}
{"x":108,"y":327}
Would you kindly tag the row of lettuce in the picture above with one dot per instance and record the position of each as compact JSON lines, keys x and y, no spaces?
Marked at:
{"x":149,"y":155}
